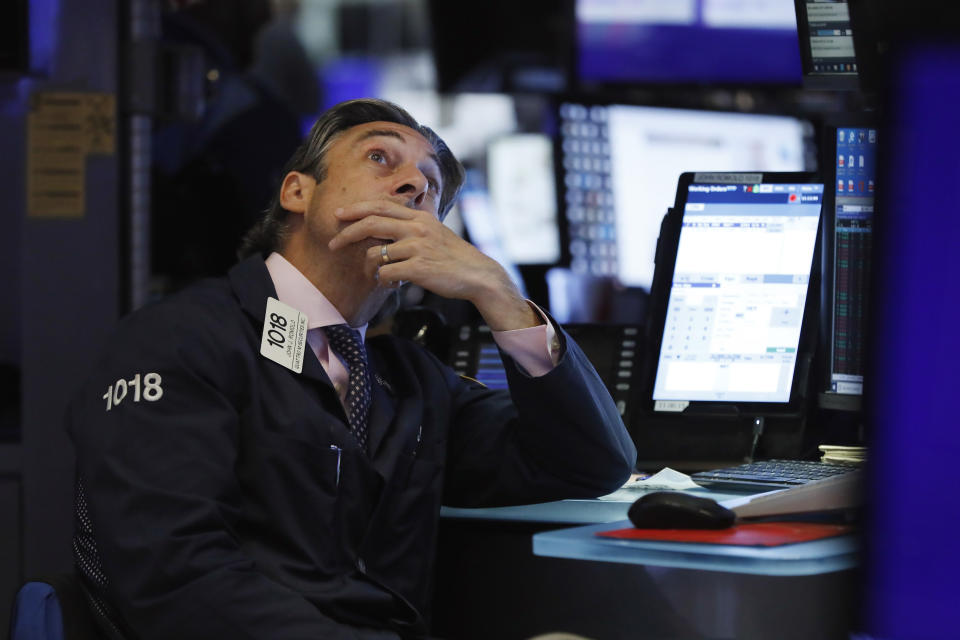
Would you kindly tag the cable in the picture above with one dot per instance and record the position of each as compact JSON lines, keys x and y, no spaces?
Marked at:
{"x":758,"y":423}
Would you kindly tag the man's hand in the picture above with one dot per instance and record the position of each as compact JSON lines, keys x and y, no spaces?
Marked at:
{"x":425,"y":252}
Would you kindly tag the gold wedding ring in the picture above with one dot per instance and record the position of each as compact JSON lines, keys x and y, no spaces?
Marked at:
{"x":384,"y":256}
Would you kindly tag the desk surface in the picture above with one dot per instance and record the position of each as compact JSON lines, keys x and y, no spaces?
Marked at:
{"x":610,"y":512}
{"x":609,"y":508}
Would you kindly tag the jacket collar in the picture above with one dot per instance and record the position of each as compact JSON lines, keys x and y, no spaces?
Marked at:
{"x":252,"y":285}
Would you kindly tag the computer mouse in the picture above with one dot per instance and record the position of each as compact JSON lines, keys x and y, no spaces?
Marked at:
{"x":679,"y":510}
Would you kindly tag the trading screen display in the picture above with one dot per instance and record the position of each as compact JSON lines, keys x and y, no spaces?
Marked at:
{"x":853,"y":241}
{"x":830,"y":37}
{"x":738,"y":294}
{"x":621,"y":164}
{"x":677,"y":41}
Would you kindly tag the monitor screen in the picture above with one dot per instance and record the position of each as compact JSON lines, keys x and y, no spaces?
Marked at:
{"x":686,"y":42}
{"x":739,"y":282}
{"x":620,"y":165}
{"x":521,"y":182}
{"x":827,"y":51}
{"x":848,"y":256}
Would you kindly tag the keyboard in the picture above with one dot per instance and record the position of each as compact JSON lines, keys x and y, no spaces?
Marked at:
{"x":771,"y":474}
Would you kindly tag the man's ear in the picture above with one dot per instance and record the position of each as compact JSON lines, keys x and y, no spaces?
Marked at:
{"x":296,"y":191}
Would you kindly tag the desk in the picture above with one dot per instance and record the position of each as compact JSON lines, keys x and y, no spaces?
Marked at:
{"x":607,"y":509}
{"x":510,"y":573}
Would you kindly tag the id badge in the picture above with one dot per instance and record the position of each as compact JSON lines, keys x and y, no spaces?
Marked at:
{"x":284,"y":335}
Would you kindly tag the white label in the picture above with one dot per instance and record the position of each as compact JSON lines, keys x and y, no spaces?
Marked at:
{"x":728,"y":178}
{"x":284,"y":335}
{"x":670,"y":405}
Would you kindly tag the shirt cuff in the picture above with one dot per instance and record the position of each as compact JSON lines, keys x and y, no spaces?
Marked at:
{"x":536,"y":350}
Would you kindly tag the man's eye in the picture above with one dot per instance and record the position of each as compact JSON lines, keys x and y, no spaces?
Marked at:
{"x":377,"y":156}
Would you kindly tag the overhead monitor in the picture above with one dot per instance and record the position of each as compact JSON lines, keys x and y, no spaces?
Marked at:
{"x":501,"y":45}
{"x":733,"y":313}
{"x":620,"y":165}
{"x":14,"y":36}
{"x":686,"y":42}
{"x":826,"y":39}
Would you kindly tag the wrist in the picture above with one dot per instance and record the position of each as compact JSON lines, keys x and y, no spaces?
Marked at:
{"x":505,"y":309}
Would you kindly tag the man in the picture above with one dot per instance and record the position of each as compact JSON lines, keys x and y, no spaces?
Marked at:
{"x":242,"y":474}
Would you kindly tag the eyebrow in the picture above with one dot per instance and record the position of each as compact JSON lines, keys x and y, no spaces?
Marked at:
{"x":390,"y":133}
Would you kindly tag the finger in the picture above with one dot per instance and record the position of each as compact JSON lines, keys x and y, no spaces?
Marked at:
{"x":380,"y":254}
{"x":384,"y":279}
{"x":386,"y":208}
{"x":395,"y":252}
{"x":393,"y":275}
{"x":372,"y":227}
{"x":407,"y":266}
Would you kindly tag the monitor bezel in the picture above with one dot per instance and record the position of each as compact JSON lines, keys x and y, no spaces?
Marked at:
{"x":667,"y":247}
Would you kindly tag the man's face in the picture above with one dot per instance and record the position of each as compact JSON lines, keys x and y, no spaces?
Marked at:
{"x":374,"y":161}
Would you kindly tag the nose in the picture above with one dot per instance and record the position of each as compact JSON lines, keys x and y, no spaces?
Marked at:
{"x":412,"y":185}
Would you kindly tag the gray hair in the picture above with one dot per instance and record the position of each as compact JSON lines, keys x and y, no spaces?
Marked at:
{"x":270,"y":232}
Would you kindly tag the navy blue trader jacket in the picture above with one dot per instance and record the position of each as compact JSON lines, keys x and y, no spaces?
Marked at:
{"x":222,"y":495}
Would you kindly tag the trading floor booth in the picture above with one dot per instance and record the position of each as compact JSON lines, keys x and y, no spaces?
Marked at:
{"x":860,"y":95}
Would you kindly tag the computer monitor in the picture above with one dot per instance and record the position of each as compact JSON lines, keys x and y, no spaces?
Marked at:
{"x":501,"y":45}
{"x":619,"y":165}
{"x":732,"y":318}
{"x":14,"y":36}
{"x":849,"y":161}
{"x":520,"y":179}
{"x":691,"y":42}
{"x":827,"y":52}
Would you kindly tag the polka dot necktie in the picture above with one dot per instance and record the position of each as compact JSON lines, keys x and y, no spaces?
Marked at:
{"x":346,"y":342}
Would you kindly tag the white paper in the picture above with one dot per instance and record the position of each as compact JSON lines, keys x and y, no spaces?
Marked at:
{"x":665,"y":479}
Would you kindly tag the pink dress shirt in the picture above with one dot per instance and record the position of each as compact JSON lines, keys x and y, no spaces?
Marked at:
{"x":534,"y":349}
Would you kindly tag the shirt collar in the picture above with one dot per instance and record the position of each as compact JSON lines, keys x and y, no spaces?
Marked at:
{"x":294,"y":289}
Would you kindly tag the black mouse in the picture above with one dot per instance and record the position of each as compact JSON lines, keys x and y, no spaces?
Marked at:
{"x":678,"y":510}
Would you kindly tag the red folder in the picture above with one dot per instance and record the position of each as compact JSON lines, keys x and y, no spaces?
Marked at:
{"x":757,"y":534}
